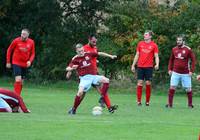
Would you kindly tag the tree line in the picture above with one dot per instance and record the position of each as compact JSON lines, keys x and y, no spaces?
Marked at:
{"x":57,"y":25}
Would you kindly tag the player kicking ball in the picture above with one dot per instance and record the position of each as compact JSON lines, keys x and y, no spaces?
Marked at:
{"x":88,"y":76}
{"x":91,"y":47}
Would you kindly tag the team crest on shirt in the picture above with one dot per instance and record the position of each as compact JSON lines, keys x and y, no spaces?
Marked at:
{"x":150,"y":47}
{"x":179,"y":56}
{"x":28,"y":46}
{"x":146,"y":50}
{"x":85,"y":64}
{"x":20,"y":45}
{"x":23,"y":49}
{"x":87,"y":58}
{"x":183,"y":51}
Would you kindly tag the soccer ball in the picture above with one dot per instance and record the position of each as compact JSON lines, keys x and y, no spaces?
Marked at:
{"x":97,"y":110}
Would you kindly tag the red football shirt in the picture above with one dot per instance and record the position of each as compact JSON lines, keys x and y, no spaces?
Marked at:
{"x":22,"y":52}
{"x":84,"y":64}
{"x":14,"y":100}
{"x":89,"y":49}
{"x":146,"y":53}
{"x":180,"y":58}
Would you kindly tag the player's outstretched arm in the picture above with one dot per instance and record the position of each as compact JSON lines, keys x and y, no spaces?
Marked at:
{"x":68,"y":74}
{"x":71,"y":68}
{"x":107,"y":55}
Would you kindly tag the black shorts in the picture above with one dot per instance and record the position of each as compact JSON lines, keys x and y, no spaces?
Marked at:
{"x":19,"y":71}
{"x":144,"y":73}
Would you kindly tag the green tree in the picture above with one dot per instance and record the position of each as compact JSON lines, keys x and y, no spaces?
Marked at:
{"x":55,"y":26}
{"x":128,"y":19}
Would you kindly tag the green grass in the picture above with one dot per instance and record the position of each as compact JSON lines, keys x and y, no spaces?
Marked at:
{"x":48,"y":119}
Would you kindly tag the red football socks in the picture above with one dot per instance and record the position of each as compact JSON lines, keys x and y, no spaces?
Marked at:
{"x":189,"y":94}
{"x":77,"y":102}
{"x":18,"y":87}
{"x":139,"y":93}
{"x":104,"y":88}
{"x":104,"y":93}
{"x":107,"y":100}
{"x":148,"y":93}
{"x":170,"y":97}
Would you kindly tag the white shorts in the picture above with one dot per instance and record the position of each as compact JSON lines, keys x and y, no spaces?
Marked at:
{"x":3,"y":103}
{"x":87,"y":80}
{"x":184,"y":78}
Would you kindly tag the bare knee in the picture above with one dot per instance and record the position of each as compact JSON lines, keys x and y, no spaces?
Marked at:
{"x":18,"y":79}
{"x":104,"y":80}
{"x":188,"y":89}
{"x":148,"y":82}
{"x":80,"y":92}
{"x":140,"y":82}
{"x":173,"y":87}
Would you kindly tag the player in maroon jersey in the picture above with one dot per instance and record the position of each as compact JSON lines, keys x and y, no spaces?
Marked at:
{"x":91,"y":47}
{"x":180,"y":70}
{"x":22,"y":52}
{"x":147,"y":50}
{"x":88,"y":76}
{"x":11,"y":102}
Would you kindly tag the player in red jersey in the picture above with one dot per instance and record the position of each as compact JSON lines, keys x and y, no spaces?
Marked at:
{"x":88,"y":76}
{"x":146,"y":51}
{"x":22,"y":52}
{"x":180,"y":70}
{"x":11,"y":102}
{"x":92,"y":48}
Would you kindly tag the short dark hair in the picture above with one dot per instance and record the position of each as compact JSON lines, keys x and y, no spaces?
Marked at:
{"x":91,"y":36}
{"x":181,"y":36}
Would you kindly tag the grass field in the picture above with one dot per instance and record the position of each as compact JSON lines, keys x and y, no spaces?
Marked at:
{"x":49,"y":120}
